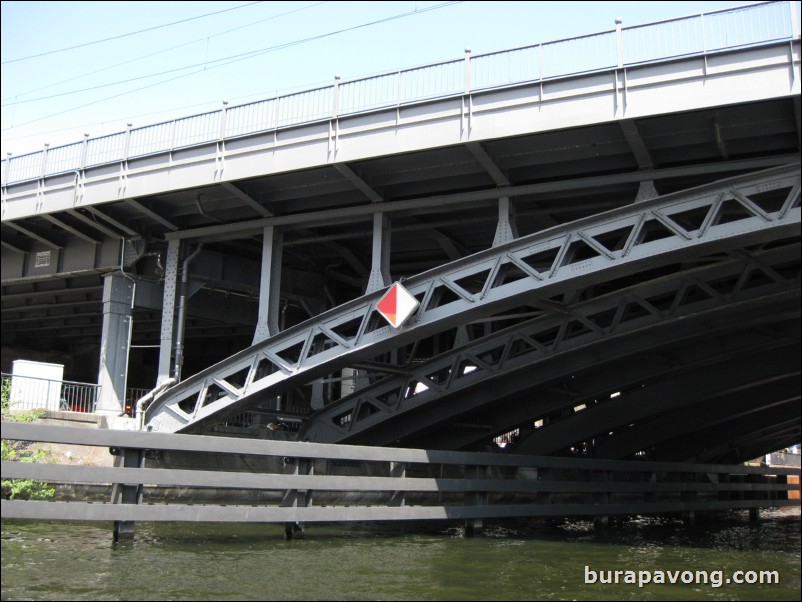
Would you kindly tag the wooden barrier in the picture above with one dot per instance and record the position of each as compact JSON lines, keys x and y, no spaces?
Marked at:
{"x":469,"y":487}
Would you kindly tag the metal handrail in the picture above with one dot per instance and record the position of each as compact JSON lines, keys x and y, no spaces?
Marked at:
{"x":705,"y":33}
{"x":31,"y":392}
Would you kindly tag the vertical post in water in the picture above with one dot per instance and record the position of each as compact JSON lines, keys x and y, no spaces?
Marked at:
{"x":473,"y":526}
{"x":689,"y":516}
{"x":127,"y":493}
{"x":297,"y":498}
{"x":602,"y":521}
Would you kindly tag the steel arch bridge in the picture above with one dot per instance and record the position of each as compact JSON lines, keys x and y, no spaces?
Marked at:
{"x":683,"y":306}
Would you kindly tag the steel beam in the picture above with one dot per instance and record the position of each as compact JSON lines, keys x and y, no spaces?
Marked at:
{"x":693,"y":388}
{"x":167,"y":336}
{"x":379,"y":278}
{"x":33,"y":235}
{"x":697,"y":419}
{"x":151,"y":214}
{"x":635,"y":141}
{"x":675,"y":302}
{"x":357,"y":181}
{"x":94,"y":224}
{"x":270,"y":284}
{"x":117,"y":224}
{"x":506,"y":230}
{"x":240,"y":195}
{"x":486,"y":161}
{"x":118,"y":302}
{"x":726,"y":215}
{"x":438,"y":202}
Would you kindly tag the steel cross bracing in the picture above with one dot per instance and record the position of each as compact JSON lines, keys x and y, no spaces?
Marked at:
{"x":757,"y":280}
{"x":725,"y":215}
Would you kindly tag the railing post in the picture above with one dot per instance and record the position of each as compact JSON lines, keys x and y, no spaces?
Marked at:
{"x":467,"y":71}
{"x":400,"y":90}
{"x":619,"y":41}
{"x":7,"y":180}
{"x":125,"y":493}
{"x":44,"y":159}
{"x":794,"y":20}
{"x":85,"y":151}
{"x":223,"y":120}
{"x":704,"y":36}
{"x":127,"y":147}
{"x":172,"y":135}
{"x":335,"y":108}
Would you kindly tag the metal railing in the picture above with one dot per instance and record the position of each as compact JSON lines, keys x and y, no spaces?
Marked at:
{"x":780,"y":458}
{"x":31,"y":393}
{"x":624,"y":46}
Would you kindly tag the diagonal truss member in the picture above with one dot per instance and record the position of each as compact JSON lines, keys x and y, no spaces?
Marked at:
{"x":726,"y":215}
{"x":758,"y":280}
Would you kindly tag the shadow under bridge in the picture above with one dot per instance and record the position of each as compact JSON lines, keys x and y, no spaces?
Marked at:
{"x":681,"y":310}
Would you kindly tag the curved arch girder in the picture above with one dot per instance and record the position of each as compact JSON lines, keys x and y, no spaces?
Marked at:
{"x":762,"y":276}
{"x":729,"y":214}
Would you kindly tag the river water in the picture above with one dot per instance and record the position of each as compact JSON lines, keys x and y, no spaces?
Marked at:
{"x":78,"y":561}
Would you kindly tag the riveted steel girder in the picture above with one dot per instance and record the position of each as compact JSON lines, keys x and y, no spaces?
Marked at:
{"x":714,"y":290}
{"x":727,"y":215}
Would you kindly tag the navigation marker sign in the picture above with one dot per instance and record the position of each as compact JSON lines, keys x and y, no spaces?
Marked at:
{"x":397,"y":305}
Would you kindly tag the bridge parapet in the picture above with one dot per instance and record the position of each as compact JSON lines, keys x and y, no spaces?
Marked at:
{"x":696,"y":35}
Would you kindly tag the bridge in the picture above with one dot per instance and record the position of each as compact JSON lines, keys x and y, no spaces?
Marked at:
{"x":601,"y":235}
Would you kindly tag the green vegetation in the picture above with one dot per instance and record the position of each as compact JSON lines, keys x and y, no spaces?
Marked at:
{"x":18,"y":451}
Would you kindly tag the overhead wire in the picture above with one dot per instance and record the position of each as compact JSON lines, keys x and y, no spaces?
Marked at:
{"x":132,"y":33}
{"x":214,"y":35}
{"x":243,"y":56}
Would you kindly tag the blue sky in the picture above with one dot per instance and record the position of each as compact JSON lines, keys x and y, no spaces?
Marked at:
{"x":178,"y":69}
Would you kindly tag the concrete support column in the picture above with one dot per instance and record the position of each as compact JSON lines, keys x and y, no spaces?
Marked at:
{"x":506,"y":229}
{"x":380,"y":266}
{"x":118,"y":295}
{"x":168,"y":310}
{"x":270,"y":284}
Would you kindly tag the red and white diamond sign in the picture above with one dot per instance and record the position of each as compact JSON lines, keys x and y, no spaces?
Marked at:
{"x":397,"y":305}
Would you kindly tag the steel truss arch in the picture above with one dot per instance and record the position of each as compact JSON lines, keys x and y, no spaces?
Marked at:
{"x":727,"y":215}
{"x":760,"y":279}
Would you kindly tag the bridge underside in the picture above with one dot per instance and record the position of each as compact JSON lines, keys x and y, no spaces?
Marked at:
{"x":668,"y":328}
{"x":440,"y":205}
{"x":697,"y":361}
{"x":693,"y":357}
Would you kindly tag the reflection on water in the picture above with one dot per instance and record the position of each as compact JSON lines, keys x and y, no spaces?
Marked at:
{"x":49,"y":561}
